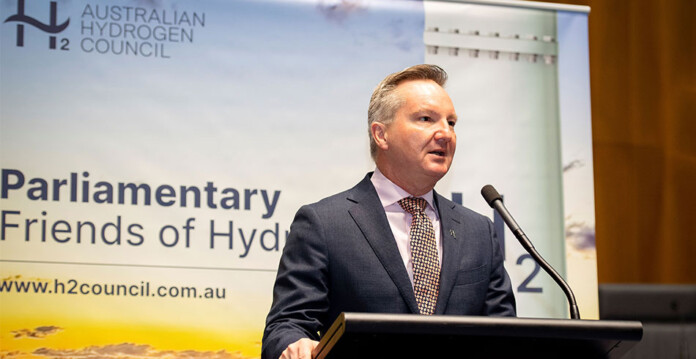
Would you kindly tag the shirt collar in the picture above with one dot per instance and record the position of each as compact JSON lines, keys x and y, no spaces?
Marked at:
{"x":389,"y":193}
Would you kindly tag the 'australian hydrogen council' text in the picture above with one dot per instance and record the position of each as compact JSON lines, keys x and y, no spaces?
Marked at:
{"x":144,"y":32}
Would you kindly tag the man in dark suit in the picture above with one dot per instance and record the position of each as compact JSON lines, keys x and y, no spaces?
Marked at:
{"x":390,"y":244}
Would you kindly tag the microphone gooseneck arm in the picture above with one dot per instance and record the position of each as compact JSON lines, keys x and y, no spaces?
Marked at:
{"x":494,"y":200}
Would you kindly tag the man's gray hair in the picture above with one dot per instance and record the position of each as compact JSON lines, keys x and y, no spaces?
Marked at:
{"x":385,"y":102}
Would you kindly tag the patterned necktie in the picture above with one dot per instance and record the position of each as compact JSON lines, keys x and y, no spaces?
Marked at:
{"x":426,"y":266}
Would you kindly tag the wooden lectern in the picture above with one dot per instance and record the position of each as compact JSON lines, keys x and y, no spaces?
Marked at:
{"x":363,"y":335}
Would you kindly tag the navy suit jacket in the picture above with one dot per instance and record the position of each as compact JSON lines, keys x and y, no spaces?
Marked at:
{"x":341,"y":256}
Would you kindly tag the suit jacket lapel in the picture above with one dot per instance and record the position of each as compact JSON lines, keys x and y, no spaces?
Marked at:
{"x":369,"y":215}
{"x":450,"y":251}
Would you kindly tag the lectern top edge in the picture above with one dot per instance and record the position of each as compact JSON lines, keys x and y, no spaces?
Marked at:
{"x":375,"y":335}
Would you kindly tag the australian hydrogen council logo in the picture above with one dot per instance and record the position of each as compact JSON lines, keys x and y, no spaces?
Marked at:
{"x":52,"y":28}
{"x":115,"y":29}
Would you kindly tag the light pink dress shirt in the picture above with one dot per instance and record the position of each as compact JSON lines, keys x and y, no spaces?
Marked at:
{"x":400,"y":220}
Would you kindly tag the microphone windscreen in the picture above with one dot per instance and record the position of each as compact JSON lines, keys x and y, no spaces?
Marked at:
{"x":490,"y":194}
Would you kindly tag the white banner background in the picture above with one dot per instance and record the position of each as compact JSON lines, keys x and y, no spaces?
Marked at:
{"x":254,"y":96}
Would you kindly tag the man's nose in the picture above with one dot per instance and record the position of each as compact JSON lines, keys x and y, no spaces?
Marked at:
{"x":444,"y":132}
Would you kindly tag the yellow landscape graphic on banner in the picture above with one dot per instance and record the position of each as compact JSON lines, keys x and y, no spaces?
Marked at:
{"x":58,"y":317}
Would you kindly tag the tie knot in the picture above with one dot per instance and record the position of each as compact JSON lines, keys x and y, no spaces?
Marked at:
{"x":413,"y":205}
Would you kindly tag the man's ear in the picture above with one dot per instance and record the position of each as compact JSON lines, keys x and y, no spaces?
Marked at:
{"x":379,"y":134}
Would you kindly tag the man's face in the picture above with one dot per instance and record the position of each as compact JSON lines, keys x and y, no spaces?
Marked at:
{"x":420,"y":141}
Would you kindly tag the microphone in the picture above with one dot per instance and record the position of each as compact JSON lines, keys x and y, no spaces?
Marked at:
{"x":494,"y":200}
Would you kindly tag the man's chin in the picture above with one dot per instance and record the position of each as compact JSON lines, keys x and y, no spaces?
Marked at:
{"x":438,"y":171}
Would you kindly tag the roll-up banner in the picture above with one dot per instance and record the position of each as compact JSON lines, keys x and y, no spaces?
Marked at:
{"x":154,"y":153}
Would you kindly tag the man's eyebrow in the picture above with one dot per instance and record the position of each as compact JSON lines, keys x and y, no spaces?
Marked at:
{"x":426,"y":110}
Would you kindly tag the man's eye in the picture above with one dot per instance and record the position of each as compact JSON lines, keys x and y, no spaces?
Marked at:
{"x":424,"y":118}
{"x":452,"y":123}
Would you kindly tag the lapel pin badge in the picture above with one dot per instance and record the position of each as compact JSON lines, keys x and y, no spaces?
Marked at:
{"x":452,"y":233}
